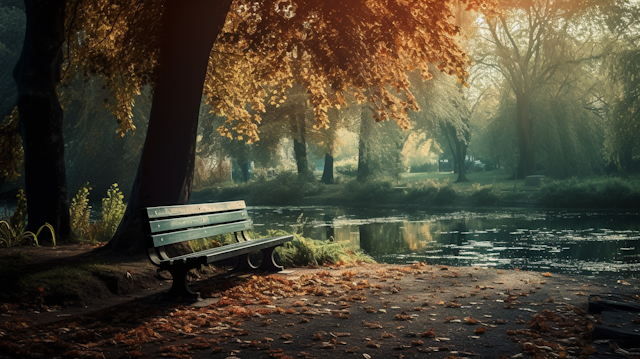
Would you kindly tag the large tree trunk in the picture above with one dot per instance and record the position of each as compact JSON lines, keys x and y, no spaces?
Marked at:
{"x":327,"y":172}
{"x":165,"y":172}
{"x":37,"y":74}
{"x":365,"y":172}
{"x":526,"y":163}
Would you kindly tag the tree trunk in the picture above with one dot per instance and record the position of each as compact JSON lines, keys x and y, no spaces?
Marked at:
{"x":37,"y":74}
{"x":327,"y":172}
{"x":300,"y":145}
{"x":461,"y":154}
{"x":165,"y":172}
{"x":526,"y":163}
{"x":459,"y":149}
{"x":244,"y":166}
{"x":364,"y":169}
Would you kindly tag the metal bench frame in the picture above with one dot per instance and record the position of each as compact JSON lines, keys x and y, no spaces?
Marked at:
{"x":169,"y":225}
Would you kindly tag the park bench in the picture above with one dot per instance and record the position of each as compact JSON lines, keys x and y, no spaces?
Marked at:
{"x":168,"y":225}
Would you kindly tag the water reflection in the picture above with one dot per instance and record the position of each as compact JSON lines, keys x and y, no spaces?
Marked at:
{"x":587,"y":243}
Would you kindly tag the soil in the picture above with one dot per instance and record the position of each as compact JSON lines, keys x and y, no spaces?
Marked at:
{"x":370,"y":311}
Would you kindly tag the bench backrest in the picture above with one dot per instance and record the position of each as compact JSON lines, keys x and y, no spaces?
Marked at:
{"x":175,"y":224}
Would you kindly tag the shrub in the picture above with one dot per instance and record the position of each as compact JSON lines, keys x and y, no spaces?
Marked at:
{"x":432,"y":192}
{"x":601,"y":193}
{"x":347,"y":167}
{"x":79,"y":212}
{"x":486,"y":195}
{"x":113,"y":209}
{"x":285,"y":189}
{"x":370,"y":191}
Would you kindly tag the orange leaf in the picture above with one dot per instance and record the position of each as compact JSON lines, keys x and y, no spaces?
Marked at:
{"x":589,"y":350}
{"x":547,"y":274}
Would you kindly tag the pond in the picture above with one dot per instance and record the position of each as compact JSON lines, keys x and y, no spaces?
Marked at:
{"x":591,"y":243}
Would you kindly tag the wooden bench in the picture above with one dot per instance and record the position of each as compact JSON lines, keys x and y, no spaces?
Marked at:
{"x":170,"y":225}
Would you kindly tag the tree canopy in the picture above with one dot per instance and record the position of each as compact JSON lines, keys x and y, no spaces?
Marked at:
{"x":334,"y":48}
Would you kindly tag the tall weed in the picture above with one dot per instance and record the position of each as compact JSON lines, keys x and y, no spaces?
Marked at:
{"x":113,"y":208}
{"x":14,"y":233}
{"x":79,"y":213}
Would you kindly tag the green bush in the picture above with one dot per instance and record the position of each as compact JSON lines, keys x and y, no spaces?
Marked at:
{"x":486,"y":195}
{"x":285,"y":189}
{"x":432,"y":192}
{"x":79,"y":212}
{"x":113,"y":208}
{"x":610,"y":192}
{"x":370,"y":191}
{"x":347,"y":167}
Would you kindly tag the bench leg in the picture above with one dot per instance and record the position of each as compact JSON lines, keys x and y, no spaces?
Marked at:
{"x":180,"y":288}
{"x":244,"y":264}
{"x":269,"y":262}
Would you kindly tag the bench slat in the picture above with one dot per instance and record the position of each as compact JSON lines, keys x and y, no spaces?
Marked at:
{"x":197,"y":233}
{"x":164,"y":225}
{"x":191,"y":209}
{"x":228,"y":251}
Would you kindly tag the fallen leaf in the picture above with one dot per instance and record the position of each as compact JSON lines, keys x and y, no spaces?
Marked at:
{"x":428,"y":334}
{"x":589,"y":350}
{"x":372,"y":344}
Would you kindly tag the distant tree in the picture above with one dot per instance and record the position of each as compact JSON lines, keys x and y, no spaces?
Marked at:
{"x":621,"y":105}
{"x":529,"y":44}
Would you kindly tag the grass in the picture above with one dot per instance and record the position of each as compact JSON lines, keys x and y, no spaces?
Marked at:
{"x":304,"y":252}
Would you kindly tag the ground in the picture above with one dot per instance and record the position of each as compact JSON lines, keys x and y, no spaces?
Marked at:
{"x":352,"y":311}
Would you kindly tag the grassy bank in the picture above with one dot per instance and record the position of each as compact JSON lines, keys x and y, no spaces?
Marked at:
{"x":483,"y":189}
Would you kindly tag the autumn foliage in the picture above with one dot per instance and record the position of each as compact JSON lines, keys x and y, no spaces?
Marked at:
{"x":339,"y":51}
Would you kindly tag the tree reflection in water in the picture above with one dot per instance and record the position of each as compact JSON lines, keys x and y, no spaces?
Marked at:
{"x":588,"y":243}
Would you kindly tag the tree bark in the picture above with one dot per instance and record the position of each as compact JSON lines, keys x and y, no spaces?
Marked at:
{"x":244,"y":166}
{"x":165,"y":173}
{"x":300,"y":146}
{"x":459,"y":149}
{"x":37,"y":74}
{"x":327,"y":172}
{"x":365,"y":171}
{"x":526,"y":162}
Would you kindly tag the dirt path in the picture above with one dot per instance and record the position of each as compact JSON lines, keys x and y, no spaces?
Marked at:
{"x":370,"y":311}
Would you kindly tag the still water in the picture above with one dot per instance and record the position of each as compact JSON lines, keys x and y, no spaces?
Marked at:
{"x":592,"y":243}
